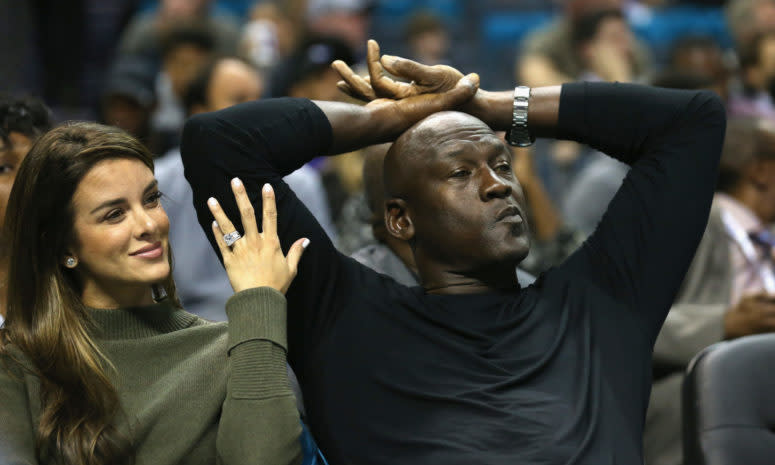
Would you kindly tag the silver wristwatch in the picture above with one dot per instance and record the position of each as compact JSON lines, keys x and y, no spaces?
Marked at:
{"x":519,"y":135}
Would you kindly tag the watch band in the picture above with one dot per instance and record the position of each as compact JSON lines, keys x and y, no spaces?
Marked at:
{"x":519,"y":134}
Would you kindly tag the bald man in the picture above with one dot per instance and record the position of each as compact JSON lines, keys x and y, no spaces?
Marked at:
{"x":472,"y":368}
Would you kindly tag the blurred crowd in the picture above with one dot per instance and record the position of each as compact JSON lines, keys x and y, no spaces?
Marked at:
{"x":146,"y":66}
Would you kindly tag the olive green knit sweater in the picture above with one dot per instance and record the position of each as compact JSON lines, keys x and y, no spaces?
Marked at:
{"x":191,"y":391}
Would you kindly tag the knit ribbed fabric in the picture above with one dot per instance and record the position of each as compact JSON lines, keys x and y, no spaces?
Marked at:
{"x":185,"y":400}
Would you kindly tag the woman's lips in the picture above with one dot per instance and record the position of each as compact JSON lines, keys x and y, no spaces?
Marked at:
{"x":151,"y":251}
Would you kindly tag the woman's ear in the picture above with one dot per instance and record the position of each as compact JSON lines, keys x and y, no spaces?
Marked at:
{"x":398,"y":221}
{"x":70,"y":261}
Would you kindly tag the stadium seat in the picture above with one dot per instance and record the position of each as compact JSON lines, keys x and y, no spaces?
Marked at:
{"x":729,"y":404}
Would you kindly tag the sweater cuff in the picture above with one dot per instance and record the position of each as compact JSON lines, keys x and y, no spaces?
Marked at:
{"x":258,"y":313}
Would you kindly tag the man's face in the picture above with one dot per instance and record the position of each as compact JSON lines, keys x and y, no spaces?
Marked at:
{"x":232,"y":82}
{"x":466,"y":204}
{"x":11,"y":156}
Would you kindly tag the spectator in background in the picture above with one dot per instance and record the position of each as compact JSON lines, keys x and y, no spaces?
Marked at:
{"x":348,"y":20}
{"x":203,"y":286}
{"x":269,"y":36}
{"x":185,"y":49}
{"x":307,"y":73}
{"x":428,"y":39}
{"x":548,"y":56}
{"x":757,"y":78}
{"x":729,"y":290}
{"x":144,"y":35}
{"x":700,"y":56}
{"x":22,"y":121}
{"x":604,"y":46}
{"x":746,"y":18}
{"x":128,"y":100}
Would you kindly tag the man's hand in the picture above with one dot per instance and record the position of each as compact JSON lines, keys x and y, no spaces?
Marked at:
{"x":754,"y":314}
{"x":423,"y":79}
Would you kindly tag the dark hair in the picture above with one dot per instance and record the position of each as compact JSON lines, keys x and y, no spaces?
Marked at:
{"x":691,"y":42}
{"x":46,"y":319}
{"x":750,"y":53}
{"x":308,"y":61}
{"x":423,"y":22}
{"x":586,"y":27}
{"x":27,"y":115}
{"x":196,"y":33}
{"x":682,"y":80}
{"x":747,"y":140}
{"x":196,"y":92}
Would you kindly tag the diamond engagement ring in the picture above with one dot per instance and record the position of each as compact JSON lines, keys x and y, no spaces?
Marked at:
{"x":231,"y":238}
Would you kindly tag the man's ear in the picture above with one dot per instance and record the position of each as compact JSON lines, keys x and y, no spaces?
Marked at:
{"x":398,"y":221}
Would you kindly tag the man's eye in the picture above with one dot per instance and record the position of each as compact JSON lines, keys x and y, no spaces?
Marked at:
{"x":503,"y":167}
{"x":460,"y":173}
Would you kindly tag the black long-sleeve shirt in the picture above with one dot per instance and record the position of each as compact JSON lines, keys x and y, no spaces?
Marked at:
{"x":556,"y":373}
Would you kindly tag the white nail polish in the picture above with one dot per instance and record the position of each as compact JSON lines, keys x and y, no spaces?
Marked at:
{"x":304,"y":243}
{"x":212,"y":202}
{"x":267,"y":188}
{"x":236,"y":182}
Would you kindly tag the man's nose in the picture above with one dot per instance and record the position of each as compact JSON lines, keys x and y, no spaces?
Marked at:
{"x":493,"y":186}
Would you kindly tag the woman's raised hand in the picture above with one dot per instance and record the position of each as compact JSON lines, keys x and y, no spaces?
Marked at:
{"x":255,"y":259}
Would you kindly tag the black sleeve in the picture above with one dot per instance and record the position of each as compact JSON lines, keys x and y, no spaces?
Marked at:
{"x":260,"y":142}
{"x":644,"y":244}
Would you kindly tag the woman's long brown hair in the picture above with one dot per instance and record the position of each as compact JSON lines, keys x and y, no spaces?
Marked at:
{"x":46,"y":319}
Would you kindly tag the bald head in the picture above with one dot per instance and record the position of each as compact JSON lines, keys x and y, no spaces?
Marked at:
{"x":440,"y":134}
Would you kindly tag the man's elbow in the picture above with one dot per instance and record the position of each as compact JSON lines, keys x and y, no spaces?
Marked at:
{"x":710,"y":110}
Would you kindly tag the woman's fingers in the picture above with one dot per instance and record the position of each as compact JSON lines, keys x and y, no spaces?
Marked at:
{"x":247,"y":213}
{"x":219,"y":240}
{"x":294,"y":254}
{"x":225,"y":225}
{"x":269,"y":227}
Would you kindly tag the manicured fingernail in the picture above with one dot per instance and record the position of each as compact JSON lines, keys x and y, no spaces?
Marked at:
{"x":236,"y":182}
{"x":304,"y":243}
{"x":215,"y":224}
{"x":212,"y":202}
{"x":267,"y":188}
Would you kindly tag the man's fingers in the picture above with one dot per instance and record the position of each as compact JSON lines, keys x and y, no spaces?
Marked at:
{"x":245,"y":207}
{"x":225,"y":225}
{"x":406,"y":68}
{"x":269,"y":226}
{"x":359,"y":87}
{"x":295,"y":253}
{"x":461,"y":93}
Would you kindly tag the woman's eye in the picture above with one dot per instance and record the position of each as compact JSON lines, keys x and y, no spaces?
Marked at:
{"x":114,"y":214}
{"x":153,"y":199}
{"x":6,"y":168}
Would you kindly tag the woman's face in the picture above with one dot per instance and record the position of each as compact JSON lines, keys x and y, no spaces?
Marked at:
{"x":121,"y":234}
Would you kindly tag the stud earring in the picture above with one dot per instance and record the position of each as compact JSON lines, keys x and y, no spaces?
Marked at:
{"x":70,"y":262}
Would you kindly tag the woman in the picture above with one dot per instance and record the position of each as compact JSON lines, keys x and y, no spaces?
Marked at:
{"x":93,"y":370}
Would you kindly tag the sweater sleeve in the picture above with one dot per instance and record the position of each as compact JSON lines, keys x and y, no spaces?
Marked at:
{"x":261,"y":142}
{"x":644,"y":243}
{"x":259,"y":422}
{"x":17,"y":437}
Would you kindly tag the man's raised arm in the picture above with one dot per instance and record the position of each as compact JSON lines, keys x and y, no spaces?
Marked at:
{"x":642,"y":248}
{"x":262,"y":141}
